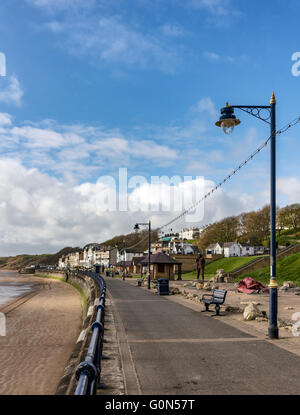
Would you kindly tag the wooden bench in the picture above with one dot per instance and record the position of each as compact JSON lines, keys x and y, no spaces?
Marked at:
{"x":217,"y":298}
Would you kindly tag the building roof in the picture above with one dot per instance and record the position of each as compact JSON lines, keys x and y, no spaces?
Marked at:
{"x":211,"y":246}
{"x":93,"y":245}
{"x":159,"y":258}
{"x":123,"y":264}
{"x":229,"y":244}
{"x":137,"y":259}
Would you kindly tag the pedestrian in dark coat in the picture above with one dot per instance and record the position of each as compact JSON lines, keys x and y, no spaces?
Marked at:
{"x":200,"y":266}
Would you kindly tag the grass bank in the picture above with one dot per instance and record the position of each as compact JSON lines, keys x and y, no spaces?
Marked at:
{"x":74,"y":285}
{"x":228,"y":264}
{"x":288,"y":269}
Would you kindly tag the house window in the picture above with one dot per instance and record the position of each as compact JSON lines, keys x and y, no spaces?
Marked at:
{"x":160,"y":268}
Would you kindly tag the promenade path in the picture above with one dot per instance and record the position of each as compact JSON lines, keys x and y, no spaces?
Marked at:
{"x":42,"y":329}
{"x":167,"y":348}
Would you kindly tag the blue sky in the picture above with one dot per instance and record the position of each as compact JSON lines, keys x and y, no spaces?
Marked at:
{"x":96,"y":85}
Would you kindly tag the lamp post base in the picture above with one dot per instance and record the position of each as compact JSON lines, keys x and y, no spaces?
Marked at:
{"x":273,"y":327}
{"x":273,"y":333}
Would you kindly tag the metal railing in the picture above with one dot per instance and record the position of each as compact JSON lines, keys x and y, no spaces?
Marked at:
{"x":88,"y":372}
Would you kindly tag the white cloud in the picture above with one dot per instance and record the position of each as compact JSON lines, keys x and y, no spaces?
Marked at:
{"x":42,"y":214}
{"x":206,"y":104}
{"x":5,"y":119}
{"x":52,"y":5}
{"x":37,"y":137}
{"x":91,"y":30}
{"x":212,"y":56}
{"x":172,"y":30}
{"x":215,"y":7}
{"x":12,"y":93}
{"x":215,"y":57}
{"x":111,"y":40}
{"x":77,"y":150}
{"x":290,"y":187}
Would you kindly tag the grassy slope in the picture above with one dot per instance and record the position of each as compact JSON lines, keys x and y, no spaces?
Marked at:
{"x":21,"y":261}
{"x":288,"y":269}
{"x":228,"y":264}
{"x":288,"y":236}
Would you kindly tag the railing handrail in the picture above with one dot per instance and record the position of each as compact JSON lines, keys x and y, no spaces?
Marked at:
{"x":88,"y":372}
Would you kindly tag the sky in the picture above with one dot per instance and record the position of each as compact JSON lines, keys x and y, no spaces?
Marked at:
{"x":95,"y":86}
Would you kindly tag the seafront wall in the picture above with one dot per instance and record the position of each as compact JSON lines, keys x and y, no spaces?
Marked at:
{"x":91,"y":294}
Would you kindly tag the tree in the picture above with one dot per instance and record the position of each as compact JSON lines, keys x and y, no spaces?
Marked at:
{"x":289,"y":217}
{"x":225,"y":230}
{"x":256,"y":225}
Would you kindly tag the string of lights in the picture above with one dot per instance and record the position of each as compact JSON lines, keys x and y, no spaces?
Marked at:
{"x":225,"y":180}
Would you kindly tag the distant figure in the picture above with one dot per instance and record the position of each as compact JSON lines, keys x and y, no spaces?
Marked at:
{"x":67,"y":275}
{"x":200,"y":266}
{"x":124,"y":274}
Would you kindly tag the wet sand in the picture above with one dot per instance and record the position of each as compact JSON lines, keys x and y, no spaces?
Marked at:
{"x":41,"y":331}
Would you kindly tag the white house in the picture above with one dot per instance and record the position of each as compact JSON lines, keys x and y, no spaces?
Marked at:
{"x":215,"y":249}
{"x":94,"y":253}
{"x":125,"y":255}
{"x":190,"y":233}
{"x":247,"y":250}
{"x":232,"y":249}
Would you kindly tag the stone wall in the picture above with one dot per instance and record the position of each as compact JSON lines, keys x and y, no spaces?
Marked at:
{"x":91,"y":292}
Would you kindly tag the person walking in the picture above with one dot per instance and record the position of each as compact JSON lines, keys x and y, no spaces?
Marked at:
{"x":124,"y":274}
{"x":200,"y":266}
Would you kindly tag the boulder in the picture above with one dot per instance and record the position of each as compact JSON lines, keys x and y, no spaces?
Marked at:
{"x":175,"y":291}
{"x":261,"y":319}
{"x":207,"y":286}
{"x":251,"y":312}
{"x":289,"y":284}
{"x":199,"y":286}
{"x":284,"y":288}
{"x":215,"y":287}
{"x":220,"y":276}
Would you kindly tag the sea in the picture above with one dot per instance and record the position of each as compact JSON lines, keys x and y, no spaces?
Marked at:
{"x":10,"y":290}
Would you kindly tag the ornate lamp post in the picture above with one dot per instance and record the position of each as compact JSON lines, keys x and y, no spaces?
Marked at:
{"x":136,"y":228}
{"x":227,"y":122}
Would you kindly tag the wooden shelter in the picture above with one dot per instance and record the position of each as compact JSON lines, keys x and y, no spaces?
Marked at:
{"x":162,"y":266}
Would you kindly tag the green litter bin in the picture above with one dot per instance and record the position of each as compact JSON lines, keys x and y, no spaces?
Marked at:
{"x":163,"y":286}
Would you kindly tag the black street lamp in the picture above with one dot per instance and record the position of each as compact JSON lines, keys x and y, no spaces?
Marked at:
{"x":227,"y":122}
{"x":137,"y":228}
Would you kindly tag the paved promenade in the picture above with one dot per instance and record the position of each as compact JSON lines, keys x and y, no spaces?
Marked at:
{"x":168,"y":348}
{"x":42,"y":329}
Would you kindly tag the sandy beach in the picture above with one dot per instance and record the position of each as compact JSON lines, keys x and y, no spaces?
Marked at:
{"x":42,"y":327}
